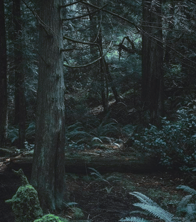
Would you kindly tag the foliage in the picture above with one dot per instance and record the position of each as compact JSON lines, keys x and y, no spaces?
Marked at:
{"x":12,"y":134}
{"x":51,"y":218}
{"x":186,"y":208}
{"x":30,"y":131}
{"x":25,"y":203}
{"x":77,"y":213}
{"x":92,"y":133}
{"x":174,"y":143}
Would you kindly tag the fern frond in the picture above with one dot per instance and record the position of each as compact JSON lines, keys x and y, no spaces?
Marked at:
{"x":190,"y":212}
{"x":183,"y":203}
{"x":97,"y":174}
{"x":144,"y":199}
{"x":75,"y":126}
{"x":157,"y":211}
{"x":30,"y":129}
{"x":134,"y":219}
{"x":187,"y":189}
{"x":106,"y":138}
{"x":139,"y":212}
{"x":97,"y":139}
{"x":76,"y":133}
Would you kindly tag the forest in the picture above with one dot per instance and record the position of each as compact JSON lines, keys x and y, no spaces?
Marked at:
{"x":98,"y":110}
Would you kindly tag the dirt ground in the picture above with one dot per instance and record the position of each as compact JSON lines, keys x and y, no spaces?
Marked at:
{"x":105,"y":198}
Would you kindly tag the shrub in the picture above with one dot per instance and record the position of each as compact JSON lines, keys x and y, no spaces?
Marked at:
{"x":174,"y":144}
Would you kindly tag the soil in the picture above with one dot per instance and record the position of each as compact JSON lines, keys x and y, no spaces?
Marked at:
{"x":105,"y":198}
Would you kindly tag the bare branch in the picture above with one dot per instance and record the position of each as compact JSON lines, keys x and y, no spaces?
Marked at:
{"x":111,"y":13}
{"x":46,"y":28}
{"x":88,"y":14}
{"x":73,"y":3}
{"x":91,"y":63}
{"x":77,"y":41}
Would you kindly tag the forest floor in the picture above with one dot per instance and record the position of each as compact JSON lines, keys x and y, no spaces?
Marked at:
{"x":106,"y":198}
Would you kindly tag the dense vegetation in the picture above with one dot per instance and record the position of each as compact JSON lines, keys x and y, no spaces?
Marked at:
{"x":128,"y":69}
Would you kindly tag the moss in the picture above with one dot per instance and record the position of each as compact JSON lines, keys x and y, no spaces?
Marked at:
{"x":25,"y":203}
{"x":51,"y":218}
{"x":77,"y":213}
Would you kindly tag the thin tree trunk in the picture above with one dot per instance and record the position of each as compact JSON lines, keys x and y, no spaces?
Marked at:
{"x":3,"y":77}
{"x":48,"y":172}
{"x":20,"y":108}
{"x":114,"y":90}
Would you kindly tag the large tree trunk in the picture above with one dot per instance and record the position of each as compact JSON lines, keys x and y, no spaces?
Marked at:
{"x":20,"y":108}
{"x":48,"y":165}
{"x":152,"y":59}
{"x":3,"y":77}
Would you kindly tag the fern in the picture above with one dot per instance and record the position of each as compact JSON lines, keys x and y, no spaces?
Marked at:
{"x":77,"y":133}
{"x":152,"y":207}
{"x":80,"y":134}
{"x":156,"y":211}
{"x":185,"y":212}
{"x":185,"y":207}
{"x":134,"y":219}
{"x":107,"y":129}
{"x":13,"y":134}
{"x":183,"y":204}
{"x":97,"y":174}
{"x":187,"y":189}
{"x":144,"y":199}
{"x":30,"y":131}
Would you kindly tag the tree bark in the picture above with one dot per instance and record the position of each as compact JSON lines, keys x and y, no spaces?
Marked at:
{"x":3,"y":77}
{"x":20,"y":108}
{"x":152,"y":59}
{"x":48,"y":165}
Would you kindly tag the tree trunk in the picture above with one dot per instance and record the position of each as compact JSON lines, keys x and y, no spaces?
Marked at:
{"x":3,"y":77}
{"x":20,"y":108}
{"x":48,"y":165}
{"x":152,"y":59}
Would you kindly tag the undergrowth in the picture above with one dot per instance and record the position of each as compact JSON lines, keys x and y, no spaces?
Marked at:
{"x":185,"y":210}
{"x":174,"y":144}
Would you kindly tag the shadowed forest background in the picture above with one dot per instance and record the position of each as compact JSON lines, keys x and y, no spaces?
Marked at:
{"x":110,"y":83}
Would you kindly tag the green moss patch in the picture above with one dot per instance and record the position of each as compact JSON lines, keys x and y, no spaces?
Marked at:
{"x":51,"y":218}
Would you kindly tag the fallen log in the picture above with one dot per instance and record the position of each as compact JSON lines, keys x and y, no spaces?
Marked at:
{"x":80,"y":163}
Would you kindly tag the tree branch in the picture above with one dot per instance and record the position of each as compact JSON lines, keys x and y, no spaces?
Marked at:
{"x":91,"y":63}
{"x":77,"y":41}
{"x":46,"y":28}
{"x":111,"y":13}
{"x":73,"y":3}
{"x":88,"y":14}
